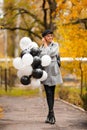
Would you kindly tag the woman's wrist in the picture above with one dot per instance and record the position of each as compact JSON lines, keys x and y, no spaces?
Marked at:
{"x":45,"y":45}
{"x":44,"y":42}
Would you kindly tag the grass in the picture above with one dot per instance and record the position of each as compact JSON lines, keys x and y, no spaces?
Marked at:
{"x":19,"y":92}
{"x":72,"y":95}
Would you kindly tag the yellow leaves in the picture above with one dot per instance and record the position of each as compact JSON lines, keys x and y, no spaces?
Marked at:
{"x":74,"y":14}
{"x":70,"y":9}
{"x":83,"y":13}
{"x":1,"y":112}
{"x":73,"y":41}
{"x":1,"y":109}
{"x":84,"y":2}
{"x":1,"y":27}
{"x":27,"y":5}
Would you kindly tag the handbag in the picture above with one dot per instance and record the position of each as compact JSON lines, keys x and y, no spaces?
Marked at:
{"x":58,"y":60}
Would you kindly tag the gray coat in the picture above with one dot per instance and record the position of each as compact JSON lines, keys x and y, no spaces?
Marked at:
{"x":53,"y":70}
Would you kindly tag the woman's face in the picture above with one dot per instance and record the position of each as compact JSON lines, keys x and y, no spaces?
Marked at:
{"x":49,"y":38}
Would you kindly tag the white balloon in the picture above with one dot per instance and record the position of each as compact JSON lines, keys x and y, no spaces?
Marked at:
{"x":45,"y":60}
{"x":25,"y":42}
{"x":29,"y":47}
{"x":35,"y":83}
{"x":17,"y":63}
{"x":27,"y":70}
{"x":34,"y":44}
{"x":44,"y":76}
{"x":27,"y":59}
{"x":19,"y":74}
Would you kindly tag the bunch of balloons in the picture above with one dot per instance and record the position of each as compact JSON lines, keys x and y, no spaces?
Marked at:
{"x":29,"y":64}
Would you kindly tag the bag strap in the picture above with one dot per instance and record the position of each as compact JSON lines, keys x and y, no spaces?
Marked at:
{"x":58,"y":60}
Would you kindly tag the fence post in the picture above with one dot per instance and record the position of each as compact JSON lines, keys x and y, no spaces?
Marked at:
{"x":81,"y":70}
{"x":0,"y":75}
{"x":6,"y":80}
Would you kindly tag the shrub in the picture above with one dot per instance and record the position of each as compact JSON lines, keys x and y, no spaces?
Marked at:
{"x":84,"y":98}
{"x":71,"y":95}
{"x":63,"y":93}
{"x":75,"y":99}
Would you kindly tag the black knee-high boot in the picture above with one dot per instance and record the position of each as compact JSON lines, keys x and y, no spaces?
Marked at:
{"x":50,"y":90}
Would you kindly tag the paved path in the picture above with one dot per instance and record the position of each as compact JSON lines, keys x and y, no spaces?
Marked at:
{"x":24,"y":113}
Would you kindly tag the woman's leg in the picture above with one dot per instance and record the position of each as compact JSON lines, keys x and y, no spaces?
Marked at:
{"x":50,"y":91}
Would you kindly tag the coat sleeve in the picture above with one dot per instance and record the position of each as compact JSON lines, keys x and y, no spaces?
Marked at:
{"x":51,"y":50}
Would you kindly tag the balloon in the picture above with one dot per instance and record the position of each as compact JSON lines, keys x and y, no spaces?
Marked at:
{"x":35,"y":83}
{"x":37,"y":73}
{"x":45,"y":60}
{"x":35,"y":51}
{"x":25,"y":42}
{"x":27,"y":59}
{"x":17,"y":63}
{"x":24,"y":52}
{"x":36,"y":62}
{"x":19,"y":74}
{"x":34,"y":44}
{"x":44,"y":76}
{"x":25,"y":80}
{"x":27,"y":70}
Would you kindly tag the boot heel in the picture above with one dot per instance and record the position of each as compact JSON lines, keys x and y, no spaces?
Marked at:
{"x":52,"y":120}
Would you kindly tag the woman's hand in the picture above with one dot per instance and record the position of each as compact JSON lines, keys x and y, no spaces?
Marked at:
{"x":44,"y":42}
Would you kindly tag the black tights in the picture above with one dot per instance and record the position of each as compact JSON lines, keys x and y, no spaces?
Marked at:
{"x":50,"y":90}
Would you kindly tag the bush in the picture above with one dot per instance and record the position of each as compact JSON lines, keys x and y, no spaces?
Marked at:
{"x":75,"y":99}
{"x":71,"y":95}
{"x":63,"y":93}
{"x":84,"y":98}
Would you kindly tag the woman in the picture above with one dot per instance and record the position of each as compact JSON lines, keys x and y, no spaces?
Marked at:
{"x":54,"y":76}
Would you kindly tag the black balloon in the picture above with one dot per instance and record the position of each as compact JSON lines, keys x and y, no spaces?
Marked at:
{"x":35,"y":51}
{"x":24,"y":52}
{"x":25,"y":80}
{"x":37,"y":73}
{"x":36,"y":62}
{"x":40,"y":67}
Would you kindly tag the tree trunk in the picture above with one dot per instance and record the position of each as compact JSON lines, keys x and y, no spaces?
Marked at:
{"x":81,"y":93}
{"x":48,"y":7}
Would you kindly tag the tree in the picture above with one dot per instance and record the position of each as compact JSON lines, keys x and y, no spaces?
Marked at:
{"x":29,"y":17}
{"x":33,"y":16}
{"x":72,"y":11}
{"x":71,"y":22}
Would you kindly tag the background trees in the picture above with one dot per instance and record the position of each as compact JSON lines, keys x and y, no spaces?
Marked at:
{"x":68,"y":19}
{"x":71,"y":18}
{"x":26,"y":18}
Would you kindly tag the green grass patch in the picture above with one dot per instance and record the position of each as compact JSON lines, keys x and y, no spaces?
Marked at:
{"x":20,"y":92}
